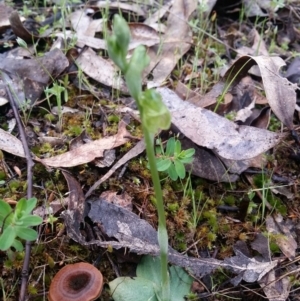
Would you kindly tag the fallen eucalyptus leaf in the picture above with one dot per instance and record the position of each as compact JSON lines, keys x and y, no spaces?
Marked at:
{"x":274,"y":288}
{"x":21,"y":32}
{"x":279,"y":228}
{"x":248,"y":269}
{"x":11,"y":144}
{"x":175,"y":42}
{"x":101,"y":70}
{"x":119,"y":6}
{"x":138,"y":235}
{"x":279,"y":91}
{"x":31,"y":76}
{"x":135,"y":151}
{"x":207,"y":129}
{"x":142,"y":34}
{"x":89,"y":151}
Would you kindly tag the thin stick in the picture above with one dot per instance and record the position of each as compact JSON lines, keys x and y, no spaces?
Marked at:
{"x":30,"y":164}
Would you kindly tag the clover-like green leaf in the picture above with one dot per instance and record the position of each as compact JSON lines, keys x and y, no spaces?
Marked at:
{"x":20,"y":207}
{"x":7,"y":237}
{"x":17,"y":245}
{"x":30,"y":220}
{"x":163,"y":164}
{"x":24,"y":207}
{"x":172,"y":172}
{"x":158,"y":150}
{"x":5,"y":210}
{"x":180,"y":169}
{"x":187,"y":153}
{"x":56,"y":90}
{"x":186,"y":160}
{"x":170,"y":147}
{"x":30,"y":205}
{"x":177,"y":148}
{"x":26,"y":233}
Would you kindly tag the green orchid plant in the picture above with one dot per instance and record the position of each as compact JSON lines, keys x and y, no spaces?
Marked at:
{"x":154,"y":116}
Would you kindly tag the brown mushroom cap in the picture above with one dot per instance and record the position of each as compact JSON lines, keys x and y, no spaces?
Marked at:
{"x":76,"y":282}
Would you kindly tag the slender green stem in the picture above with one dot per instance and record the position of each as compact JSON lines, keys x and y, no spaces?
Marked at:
{"x":162,"y":231}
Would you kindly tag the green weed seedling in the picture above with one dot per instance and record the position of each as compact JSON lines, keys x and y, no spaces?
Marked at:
{"x":154,"y":117}
{"x":15,"y":224}
{"x":147,"y":283}
{"x":56,"y":90}
{"x":172,"y":159}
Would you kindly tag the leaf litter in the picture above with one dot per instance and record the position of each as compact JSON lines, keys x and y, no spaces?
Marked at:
{"x":207,"y":129}
{"x":225,"y":148}
{"x":89,"y":151}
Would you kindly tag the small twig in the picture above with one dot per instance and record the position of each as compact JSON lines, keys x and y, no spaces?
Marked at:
{"x":30,"y":164}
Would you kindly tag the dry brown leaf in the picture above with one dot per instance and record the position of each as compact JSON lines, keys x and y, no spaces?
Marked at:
{"x":245,"y":113}
{"x":252,"y":8}
{"x":293,"y":71}
{"x":142,"y":34}
{"x":135,"y":233}
{"x":101,"y":70}
{"x":283,"y":190}
{"x":238,"y":166}
{"x":209,"y":98}
{"x":135,"y":151}
{"x":261,"y":245}
{"x":248,"y":269}
{"x":31,"y":76}
{"x":154,"y":18}
{"x":76,"y":196}
{"x":258,"y":45}
{"x":276,"y":288}
{"x":21,"y":32}
{"x":52,"y":208}
{"x":11,"y":144}
{"x":119,"y":6}
{"x":207,"y":165}
{"x":176,"y":41}
{"x":262,"y":120}
{"x":95,"y":26}
{"x":217,"y":133}
{"x":184,"y":92}
{"x":279,"y":91}
{"x":280,"y":231}
{"x":88,"y":152}
{"x":5,"y":11}
{"x":86,"y":28}
{"x":80,"y":22}
{"x":127,"y":230}
{"x":123,"y":200}
{"x":93,"y":42}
